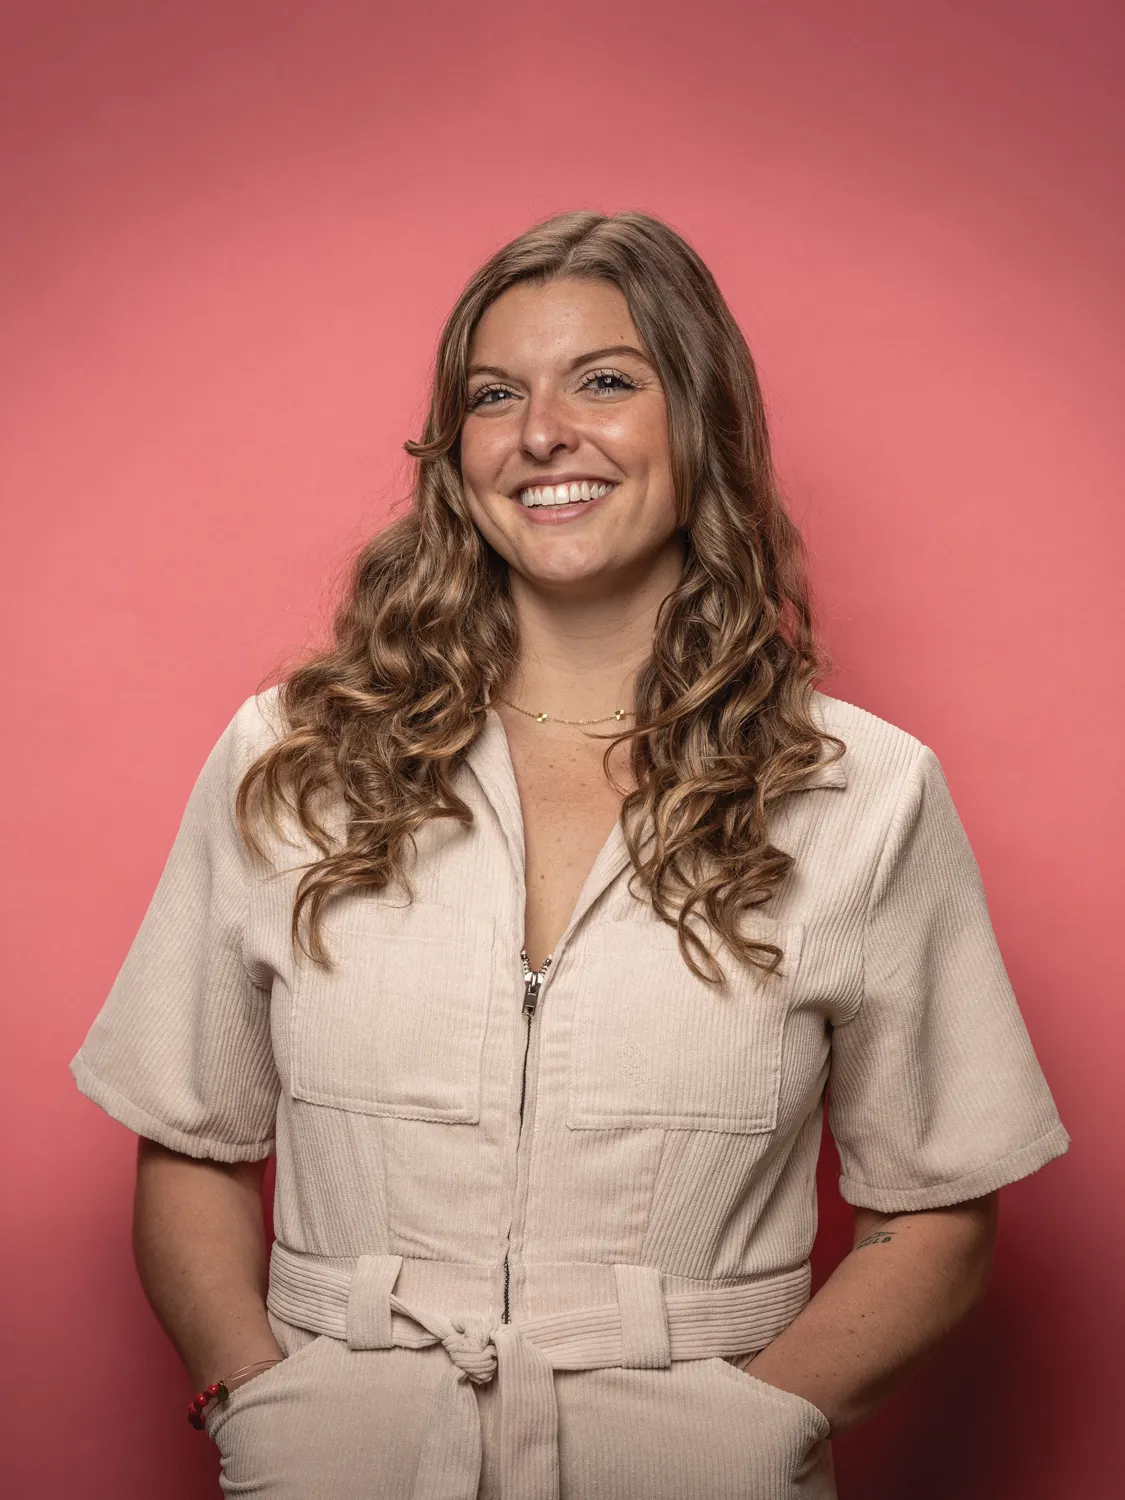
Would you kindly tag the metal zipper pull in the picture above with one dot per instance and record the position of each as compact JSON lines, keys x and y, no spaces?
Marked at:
{"x":532,"y":983}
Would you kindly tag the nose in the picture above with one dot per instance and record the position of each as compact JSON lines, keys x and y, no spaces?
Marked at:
{"x":546,"y":428}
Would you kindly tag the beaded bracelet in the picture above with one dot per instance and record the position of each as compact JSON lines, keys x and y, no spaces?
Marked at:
{"x":220,"y":1391}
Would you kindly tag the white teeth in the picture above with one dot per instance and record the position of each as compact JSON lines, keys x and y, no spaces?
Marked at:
{"x":564,"y":494}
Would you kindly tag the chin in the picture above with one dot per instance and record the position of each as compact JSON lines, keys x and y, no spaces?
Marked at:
{"x":576,"y":577}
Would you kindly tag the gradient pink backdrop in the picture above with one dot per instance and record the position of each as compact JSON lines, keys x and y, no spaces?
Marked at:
{"x":230,"y":233}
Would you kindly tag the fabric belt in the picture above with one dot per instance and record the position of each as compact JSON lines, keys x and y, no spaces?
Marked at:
{"x":645,"y":1328}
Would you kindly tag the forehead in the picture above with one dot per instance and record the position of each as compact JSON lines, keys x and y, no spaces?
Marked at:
{"x":533,"y":325}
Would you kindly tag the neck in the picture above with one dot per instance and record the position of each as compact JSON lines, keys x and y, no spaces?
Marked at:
{"x":579,"y":654}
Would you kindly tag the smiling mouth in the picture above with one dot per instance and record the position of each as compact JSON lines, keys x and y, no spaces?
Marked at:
{"x":578,"y":492}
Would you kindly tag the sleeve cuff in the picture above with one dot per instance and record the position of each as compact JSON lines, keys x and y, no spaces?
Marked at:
{"x":134,"y":1118}
{"x":976,"y":1184}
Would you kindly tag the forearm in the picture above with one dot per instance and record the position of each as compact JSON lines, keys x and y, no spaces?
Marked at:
{"x":909,"y":1279}
{"x":199,"y":1244}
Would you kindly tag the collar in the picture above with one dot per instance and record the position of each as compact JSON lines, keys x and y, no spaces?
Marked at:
{"x":824,"y":773}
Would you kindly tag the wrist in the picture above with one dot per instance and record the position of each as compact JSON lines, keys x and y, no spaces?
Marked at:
{"x":773,"y":1372}
{"x":222,"y":1358}
{"x":218,"y":1391}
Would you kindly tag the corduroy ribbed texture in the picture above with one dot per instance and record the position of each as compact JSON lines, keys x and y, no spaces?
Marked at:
{"x":330,"y":1423}
{"x":666,"y":1125}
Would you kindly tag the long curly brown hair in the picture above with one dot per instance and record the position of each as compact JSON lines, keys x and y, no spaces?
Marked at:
{"x":378,"y":723}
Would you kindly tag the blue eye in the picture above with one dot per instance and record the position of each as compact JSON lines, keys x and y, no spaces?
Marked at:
{"x":607,"y":382}
{"x":480,"y":397}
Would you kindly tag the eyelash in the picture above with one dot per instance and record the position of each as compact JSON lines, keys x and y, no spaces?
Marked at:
{"x":477,"y":399}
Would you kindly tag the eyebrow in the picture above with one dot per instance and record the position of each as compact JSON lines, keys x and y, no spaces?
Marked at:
{"x":583,"y":359}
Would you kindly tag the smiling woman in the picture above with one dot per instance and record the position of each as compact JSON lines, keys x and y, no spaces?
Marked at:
{"x":540,"y":1021}
{"x":558,"y":426}
{"x":680,"y":597}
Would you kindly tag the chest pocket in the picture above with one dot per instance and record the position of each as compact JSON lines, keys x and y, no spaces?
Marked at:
{"x":655,"y":1046}
{"x":397,"y":1027}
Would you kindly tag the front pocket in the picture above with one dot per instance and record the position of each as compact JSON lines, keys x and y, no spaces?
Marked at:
{"x":654,"y":1045}
{"x":258,"y":1385}
{"x":397,"y":1026}
{"x":813,"y":1420}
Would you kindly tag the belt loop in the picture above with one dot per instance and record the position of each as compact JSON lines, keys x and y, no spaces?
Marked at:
{"x":645,"y":1340}
{"x":369,"y":1301}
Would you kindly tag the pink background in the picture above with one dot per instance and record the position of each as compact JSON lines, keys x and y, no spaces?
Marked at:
{"x":230,"y":233}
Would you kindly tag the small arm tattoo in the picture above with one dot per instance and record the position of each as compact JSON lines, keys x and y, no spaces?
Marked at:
{"x":877,"y":1237}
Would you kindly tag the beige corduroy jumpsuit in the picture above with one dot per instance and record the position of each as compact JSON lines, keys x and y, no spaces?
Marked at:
{"x":522,"y":1237}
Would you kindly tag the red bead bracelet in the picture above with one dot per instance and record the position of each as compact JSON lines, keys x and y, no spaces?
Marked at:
{"x":217,"y":1391}
{"x":220,"y":1391}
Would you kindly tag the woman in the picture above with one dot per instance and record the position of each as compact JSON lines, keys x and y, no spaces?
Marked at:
{"x":528,"y":924}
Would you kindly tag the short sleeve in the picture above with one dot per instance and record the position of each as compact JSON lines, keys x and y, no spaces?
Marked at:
{"x":935,"y":1093}
{"x":181,"y":1052}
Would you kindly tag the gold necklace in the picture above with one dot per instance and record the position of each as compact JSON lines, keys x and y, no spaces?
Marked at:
{"x":618,"y":714}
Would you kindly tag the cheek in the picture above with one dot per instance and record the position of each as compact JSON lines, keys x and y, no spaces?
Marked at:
{"x":487,"y":516}
{"x":481,"y":456}
{"x":656,"y":440}
{"x":652,"y":458}
{"x":638,"y":440}
{"x":469,"y":464}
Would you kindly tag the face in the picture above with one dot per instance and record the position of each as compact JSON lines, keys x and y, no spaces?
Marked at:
{"x":565,"y":406}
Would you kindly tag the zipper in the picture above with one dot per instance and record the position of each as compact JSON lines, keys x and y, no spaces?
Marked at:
{"x":532,"y":986}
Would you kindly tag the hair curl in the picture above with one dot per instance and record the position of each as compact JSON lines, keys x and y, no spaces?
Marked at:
{"x":379,"y":722}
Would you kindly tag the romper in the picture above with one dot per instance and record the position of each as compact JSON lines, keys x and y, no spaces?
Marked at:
{"x":524,"y":1231}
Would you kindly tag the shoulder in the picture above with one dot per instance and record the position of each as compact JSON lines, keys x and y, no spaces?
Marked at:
{"x":896,"y":805}
{"x":257,"y":724}
{"x":880,"y":759}
{"x":864,"y":733}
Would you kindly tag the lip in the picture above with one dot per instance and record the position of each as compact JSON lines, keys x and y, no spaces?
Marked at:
{"x":576,"y":477}
{"x":563,"y":515}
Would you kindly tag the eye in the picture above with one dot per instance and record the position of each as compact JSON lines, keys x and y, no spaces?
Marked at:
{"x":607,"y":382}
{"x":482,"y":396}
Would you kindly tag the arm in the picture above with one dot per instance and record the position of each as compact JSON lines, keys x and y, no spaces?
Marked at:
{"x":909,"y":1279}
{"x":199,"y":1244}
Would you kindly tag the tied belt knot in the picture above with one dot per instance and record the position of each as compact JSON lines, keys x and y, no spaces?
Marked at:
{"x":645,"y":1327}
{"x":468,"y":1342}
